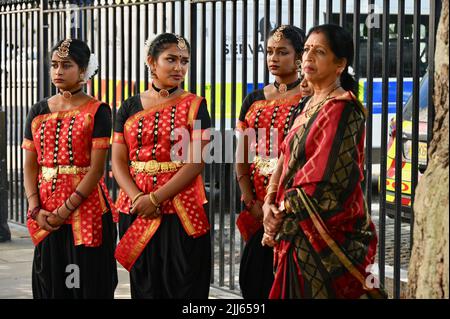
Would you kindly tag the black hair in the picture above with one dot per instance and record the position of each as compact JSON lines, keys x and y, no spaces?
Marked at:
{"x":341,"y":43}
{"x":162,"y":41}
{"x":295,"y":35}
{"x":78,"y":51}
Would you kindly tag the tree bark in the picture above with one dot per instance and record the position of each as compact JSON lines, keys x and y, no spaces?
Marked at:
{"x":428,"y":274}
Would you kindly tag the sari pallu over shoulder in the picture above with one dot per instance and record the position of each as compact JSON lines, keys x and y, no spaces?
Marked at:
{"x":327,"y":241}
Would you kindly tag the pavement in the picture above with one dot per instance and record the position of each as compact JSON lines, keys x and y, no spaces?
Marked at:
{"x":16,"y":258}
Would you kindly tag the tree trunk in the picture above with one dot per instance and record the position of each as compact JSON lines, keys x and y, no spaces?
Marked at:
{"x":428,"y":273}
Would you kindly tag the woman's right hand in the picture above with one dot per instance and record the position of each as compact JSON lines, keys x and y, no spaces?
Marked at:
{"x":41,"y":220}
{"x":145,"y":208}
{"x":272,"y":221}
{"x":257,"y":211}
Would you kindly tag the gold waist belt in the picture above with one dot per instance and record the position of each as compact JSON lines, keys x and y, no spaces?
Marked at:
{"x":266,"y":166}
{"x":48,"y":173}
{"x":154,"y":167}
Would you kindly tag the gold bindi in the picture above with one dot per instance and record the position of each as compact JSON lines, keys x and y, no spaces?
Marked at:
{"x":63,"y":49}
{"x":278,"y":34}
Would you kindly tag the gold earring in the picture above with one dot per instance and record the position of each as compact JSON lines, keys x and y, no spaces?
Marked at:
{"x":298,"y":64}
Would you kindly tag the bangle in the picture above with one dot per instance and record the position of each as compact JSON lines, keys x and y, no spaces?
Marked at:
{"x":272,"y":184}
{"x":83,"y":197}
{"x":73,"y":205}
{"x":154,"y":200}
{"x":58,"y":215}
{"x":29,"y":196}
{"x":135,"y":198}
{"x":249,"y":205}
{"x":67,"y":206}
{"x":34,"y":212}
{"x":239,"y":177}
{"x":268,"y":195}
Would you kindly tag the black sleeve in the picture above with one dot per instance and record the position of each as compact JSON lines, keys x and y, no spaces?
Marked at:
{"x":248,"y":101}
{"x":102,"y":122}
{"x":121,"y":117}
{"x":36,"y":110}
{"x":203,"y":116}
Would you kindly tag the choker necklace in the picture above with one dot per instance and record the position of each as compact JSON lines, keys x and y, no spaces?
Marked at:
{"x":68,"y":94}
{"x":164,"y":92}
{"x":283,"y":88}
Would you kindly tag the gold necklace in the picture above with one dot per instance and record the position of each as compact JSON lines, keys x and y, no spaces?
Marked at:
{"x":312,"y":109}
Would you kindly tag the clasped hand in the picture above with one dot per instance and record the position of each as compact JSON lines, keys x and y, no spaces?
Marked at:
{"x":272,"y":221}
{"x":145,"y":208}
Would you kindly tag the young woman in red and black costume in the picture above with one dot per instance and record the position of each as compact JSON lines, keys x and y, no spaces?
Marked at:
{"x":70,"y":220}
{"x":273,"y":109}
{"x":165,"y":242}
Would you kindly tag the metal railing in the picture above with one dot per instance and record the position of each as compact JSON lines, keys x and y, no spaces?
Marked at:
{"x":227,"y":62}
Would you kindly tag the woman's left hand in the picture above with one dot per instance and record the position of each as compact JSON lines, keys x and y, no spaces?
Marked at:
{"x":145,"y":208}
{"x":54,"y":219}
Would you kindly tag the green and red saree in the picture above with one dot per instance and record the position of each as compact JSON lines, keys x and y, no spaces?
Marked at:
{"x":327,"y":242}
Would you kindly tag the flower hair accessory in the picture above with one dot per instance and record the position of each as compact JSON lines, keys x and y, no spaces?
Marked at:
{"x":147,"y":44}
{"x":351,"y":71}
{"x":92,"y":67}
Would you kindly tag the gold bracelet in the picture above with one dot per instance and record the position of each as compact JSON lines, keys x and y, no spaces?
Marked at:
{"x":268,"y":194}
{"x":135,"y":198}
{"x":271,"y":189}
{"x":272,"y":184}
{"x":154,"y":200}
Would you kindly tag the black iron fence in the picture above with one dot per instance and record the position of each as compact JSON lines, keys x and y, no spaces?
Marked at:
{"x":394,"y":42}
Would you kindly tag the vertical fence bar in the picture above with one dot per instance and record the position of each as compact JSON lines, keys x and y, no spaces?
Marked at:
{"x":193,"y":40}
{"x":114,"y":83}
{"x":5,"y":233}
{"x":291,"y":12}
{"x":279,"y":10}
{"x":266,"y":32}
{"x":10,"y":114}
{"x":255,"y":43}
{"x":107,"y":90}
{"x":433,"y":23}
{"x":329,"y":11}
{"x":316,"y":6}
{"x":303,"y":15}
{"x":129,"y":53}
{"x":172,"y":17}
{"x":415,"y":113}
{"x":384,"y":137}
{"x":356,"y":41}
{"x":244,"y":47}
{"x":369,"y":106}
{"x":222,"y":184}
{"x":22,"y":94}
{"x":16,"y":113}
{"x":398,"y":147}
{"x":343,"y":14}
{"x":137,"y":87}
{"x":122,"y":54}
{"x":203,"y":50}
{"x":99,"y":52}
{"x":213,"y":166}
{"x":233,"y":125}
{"x":146,"y":23}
